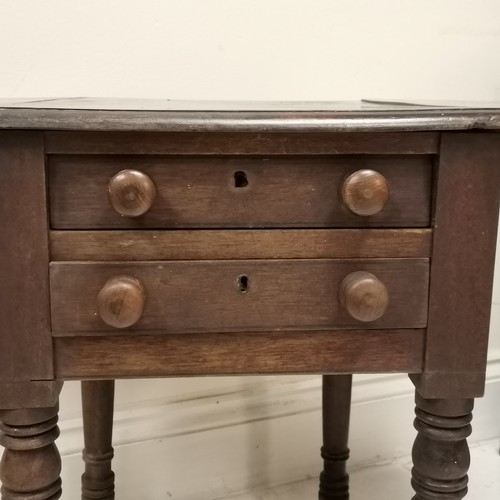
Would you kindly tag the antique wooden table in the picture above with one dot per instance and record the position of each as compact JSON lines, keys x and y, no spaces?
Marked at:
{"x":176,"y":239}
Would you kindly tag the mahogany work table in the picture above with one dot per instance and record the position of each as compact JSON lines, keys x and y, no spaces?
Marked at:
{"x":176,"y":239}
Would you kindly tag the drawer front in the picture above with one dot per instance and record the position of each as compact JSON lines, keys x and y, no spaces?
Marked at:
{"x":242,"y":192}
{"x":225,"y":296}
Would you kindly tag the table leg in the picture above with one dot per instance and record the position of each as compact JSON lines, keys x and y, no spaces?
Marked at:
{"x":98,"y":481}
{"x":31,"y":465}
{"x":440,"y":454}
{"x":334,"y":480}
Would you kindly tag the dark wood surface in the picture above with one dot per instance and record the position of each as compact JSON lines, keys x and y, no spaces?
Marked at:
{"x":131,"y":193}
{"x":240,"y":143}
{"x":120,"y":302}
{"x":203,"y":296}
{"x":321,"y":352}
{"x":374,"y":106}
{"x":364,"y":296}
{"x":31,"y":465}
{"x":32,"y":394}
{"x":25,"y":340}
{"x":203,"y":192}
{"x":465,"y":229}
{"x":134,"y":245}
{"x":247,"y":301}
{"x":440,"y":453}
{"x":95,"y":114}
{"x":334,"y":480}
{"x":365,"y":192}
{"x":98,"y":481}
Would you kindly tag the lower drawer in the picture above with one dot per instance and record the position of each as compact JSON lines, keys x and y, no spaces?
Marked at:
{"x":247,"y":295}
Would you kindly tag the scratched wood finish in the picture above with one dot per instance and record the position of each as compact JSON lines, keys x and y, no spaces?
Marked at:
{"x":241,"y":143}
{"x":344,"y":351}
{"x":225,"y":296}
{"x":25,"y":340}
{"x":237,"y":244}
{"x":203,"y":192}
{"x":463,"y":255}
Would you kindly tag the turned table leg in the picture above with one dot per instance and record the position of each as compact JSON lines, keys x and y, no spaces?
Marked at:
{"x":98,"y":481}
{"x":334,"y":481}
{"x":440,"y":454}
{"x":31,"y":465}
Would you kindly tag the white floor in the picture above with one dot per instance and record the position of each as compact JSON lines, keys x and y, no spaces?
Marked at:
{"x":390,"y":480}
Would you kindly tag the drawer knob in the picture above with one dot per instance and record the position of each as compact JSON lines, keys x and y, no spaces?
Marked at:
{"x":121,"y":301}
{"x":131,"y":193}
{"x":365,"y":192}
{"x":364,"y":296}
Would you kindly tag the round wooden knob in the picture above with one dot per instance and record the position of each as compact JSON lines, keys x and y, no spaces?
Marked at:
{"x":364,"y":296}
{"x":365,"y":192}
{"x":131,"y":193}
{"x":121,"y":301}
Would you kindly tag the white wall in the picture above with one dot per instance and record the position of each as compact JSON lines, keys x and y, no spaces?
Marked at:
{"x":210,"y":437}
{"x":234,"y":49}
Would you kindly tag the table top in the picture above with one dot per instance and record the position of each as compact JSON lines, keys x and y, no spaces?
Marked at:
{"x":84,"y":113}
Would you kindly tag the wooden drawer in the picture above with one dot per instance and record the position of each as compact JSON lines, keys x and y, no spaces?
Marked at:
{"x":246,"y":295}
{"x":240,"y":192}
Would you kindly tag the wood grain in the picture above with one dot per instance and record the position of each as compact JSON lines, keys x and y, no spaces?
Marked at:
{"x":440,"y":453}
{"x":131,"y":193}
{"x":200,"y":192}
{"x":348,"y":351}
{"x":463,"y":255}
{"x":241,"y":143}
{"x":25,"y":340}
{"x":204,"y":296}
{"x":120,"y":301}
{"x":364,"y":296}
{"x":133,"y":245}
{"x":365,"y":192}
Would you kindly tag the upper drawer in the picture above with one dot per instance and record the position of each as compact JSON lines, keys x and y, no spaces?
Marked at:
{"x":239,"y":192}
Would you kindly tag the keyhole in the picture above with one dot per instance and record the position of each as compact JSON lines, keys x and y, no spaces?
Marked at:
{"x":240,"y":179}
{"x":243,"y":283}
